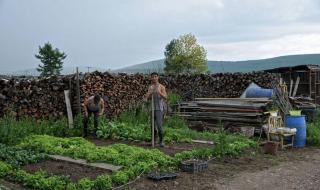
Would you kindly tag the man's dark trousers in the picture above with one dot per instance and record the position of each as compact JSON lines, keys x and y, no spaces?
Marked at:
{"x":86,"y":121}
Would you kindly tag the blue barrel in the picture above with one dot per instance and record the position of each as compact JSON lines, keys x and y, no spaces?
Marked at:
{"x":259,"y":93}
{"x":298,"y":122}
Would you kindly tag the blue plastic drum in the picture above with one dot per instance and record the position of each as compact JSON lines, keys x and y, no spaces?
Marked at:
{"x":298,"y":122}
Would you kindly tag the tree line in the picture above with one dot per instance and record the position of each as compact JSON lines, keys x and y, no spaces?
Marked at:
{"x":182,"y":55}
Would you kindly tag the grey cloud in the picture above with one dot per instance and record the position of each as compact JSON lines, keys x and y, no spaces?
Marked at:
{"x":113,"y":34}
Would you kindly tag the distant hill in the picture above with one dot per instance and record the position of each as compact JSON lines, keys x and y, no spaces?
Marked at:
{"x":148,"y":67}
{"x":233,"y":66}
{"x":214,"y":66}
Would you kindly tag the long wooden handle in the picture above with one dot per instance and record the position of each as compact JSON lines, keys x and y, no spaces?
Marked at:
{"x":152,"y":119}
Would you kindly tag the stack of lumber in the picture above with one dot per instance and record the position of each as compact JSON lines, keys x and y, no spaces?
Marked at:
{"x":210,"y":113}
{"x":302,"y":102}
{"x":306,"y":105}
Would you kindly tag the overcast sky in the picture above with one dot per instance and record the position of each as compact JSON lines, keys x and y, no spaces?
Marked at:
{"x":113,"y":34}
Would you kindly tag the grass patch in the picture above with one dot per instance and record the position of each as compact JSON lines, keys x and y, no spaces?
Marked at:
{"x":313,"y":131}
{"x":12,"y":131}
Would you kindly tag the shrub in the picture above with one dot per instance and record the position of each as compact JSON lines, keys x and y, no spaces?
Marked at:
{"x":103,"y":182}
{"x":18,"y":157}
{"x":120,"y":177}
{"x":85,"y":184}
{"x":313,"y":134}
{"x":173,"y":99}
{"x":12,"y":131}
{"x":5,"y":169}
{"x":175,"y":121}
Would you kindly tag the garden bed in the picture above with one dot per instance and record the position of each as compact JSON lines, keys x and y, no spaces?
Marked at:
{"x":223,"y":170}
{"x":169,"y":149}
{"x":74,"y":171}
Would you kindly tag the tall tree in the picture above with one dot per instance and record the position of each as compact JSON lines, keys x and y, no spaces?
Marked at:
{"x":185,"y":55}
{"x":52,"y":60}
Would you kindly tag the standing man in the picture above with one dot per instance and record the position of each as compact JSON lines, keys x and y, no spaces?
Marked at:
{"x":93,"y":105}
{"x":159,"y":94}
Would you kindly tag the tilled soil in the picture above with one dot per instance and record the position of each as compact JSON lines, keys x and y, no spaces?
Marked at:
{"x":74,"y":171}
{"x":289,"y":169}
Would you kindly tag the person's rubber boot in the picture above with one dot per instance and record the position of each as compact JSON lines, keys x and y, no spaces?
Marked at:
{"x":85,"y":134}
{"x":161,"y":144}
{"x":94,"y":135}
{"x":161,"y":140}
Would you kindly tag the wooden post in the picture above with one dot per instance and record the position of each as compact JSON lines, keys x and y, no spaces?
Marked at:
{"x":296,"y":87}
{"x":310,"y":87}
{"x":152,"y":120}
{"x":69,"y":110}
{"x":291,"y":84}
{"x":78,"y":92}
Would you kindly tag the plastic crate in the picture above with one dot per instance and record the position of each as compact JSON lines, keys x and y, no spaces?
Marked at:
{"x":162,"y":176}
{"x":194,"y":165}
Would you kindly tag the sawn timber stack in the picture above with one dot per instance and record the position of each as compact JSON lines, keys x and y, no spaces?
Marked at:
{"x":231,"y":113}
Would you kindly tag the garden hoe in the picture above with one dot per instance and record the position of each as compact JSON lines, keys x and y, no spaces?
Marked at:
{"x":152,"y":121}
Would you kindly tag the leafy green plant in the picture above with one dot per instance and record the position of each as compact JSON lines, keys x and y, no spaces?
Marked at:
{"x":18,"y":157}
{"x":134,"y":115}
{"x":173,"y":99}
{"x":12,"y":131}
{"x":317,"y":119}
{"x":175,"y":121}
{"x":134,"y":159}
{"x":117,"y":130}
{"x":221,"y":141}
{"x":85,"y":184}
{"x":120,"y":177}
{"x":103,"y":182}
{"x":175,"y":130}
{"x":40,"y":180}
{"x":313,"y":134}
{"x":5,"y":169}
{"x":76,"y":147}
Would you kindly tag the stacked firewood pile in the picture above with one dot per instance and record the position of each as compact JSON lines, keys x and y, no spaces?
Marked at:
{"x":231,"y":113}
{"x":37,"y":98}
{"x":45,"y":97}
{"x":119,"y":91}
{"x":227,"y":85}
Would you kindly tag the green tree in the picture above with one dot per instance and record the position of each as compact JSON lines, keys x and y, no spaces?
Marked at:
{"x":185,"y":55}
{"x":52,"y":60}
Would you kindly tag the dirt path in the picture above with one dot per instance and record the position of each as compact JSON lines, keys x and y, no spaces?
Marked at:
{"x":303,"y":173}
{"x":290,"y":169}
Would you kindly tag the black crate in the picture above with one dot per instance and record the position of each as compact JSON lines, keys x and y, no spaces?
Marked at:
{"x":194,"y":165}
{"x":162,"y":176}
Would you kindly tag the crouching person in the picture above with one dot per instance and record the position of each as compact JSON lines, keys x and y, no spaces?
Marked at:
{"x":94,"y":105}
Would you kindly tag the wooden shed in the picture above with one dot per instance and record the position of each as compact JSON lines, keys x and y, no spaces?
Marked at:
{"x":309,"y":84}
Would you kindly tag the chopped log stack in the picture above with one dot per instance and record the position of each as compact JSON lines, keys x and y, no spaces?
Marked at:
{"x":44,"y":98}
{"x":119,"y":91}
{"x":226,"y":85}
{"x":36,"y":98}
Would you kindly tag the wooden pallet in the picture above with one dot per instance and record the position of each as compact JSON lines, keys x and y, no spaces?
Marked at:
{"x":104,"y":166}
